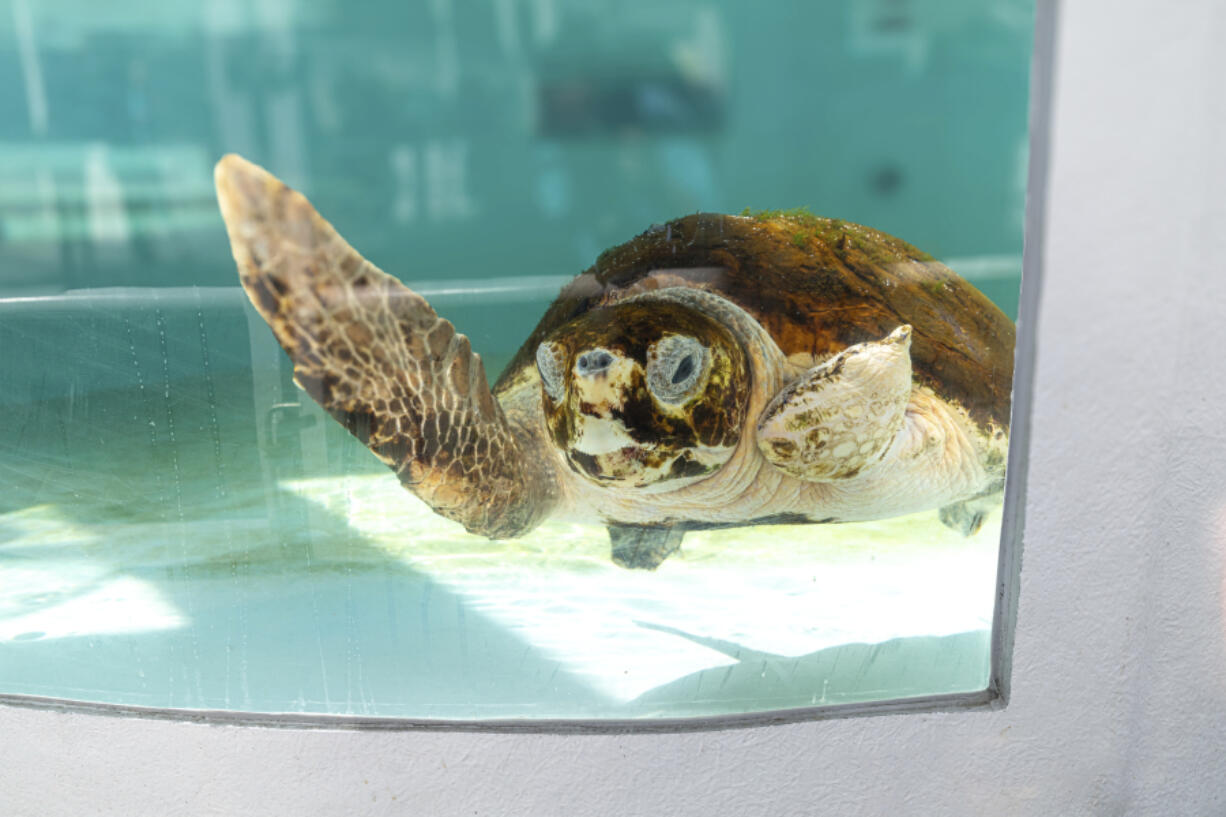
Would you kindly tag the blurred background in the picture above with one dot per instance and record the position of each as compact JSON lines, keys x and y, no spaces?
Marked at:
{"x":488,"y":138}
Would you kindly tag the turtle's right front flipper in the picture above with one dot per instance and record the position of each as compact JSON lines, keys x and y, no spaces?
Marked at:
{"x":376,"y":356}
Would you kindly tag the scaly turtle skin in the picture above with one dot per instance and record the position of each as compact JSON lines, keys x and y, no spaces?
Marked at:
{"x":715,"y":371}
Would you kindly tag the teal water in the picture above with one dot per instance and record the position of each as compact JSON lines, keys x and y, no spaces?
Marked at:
{"x":179,"y":528}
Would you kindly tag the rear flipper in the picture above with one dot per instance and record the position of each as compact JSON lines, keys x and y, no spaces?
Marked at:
{"x":967,"y":517}
{"x":376,"y":356}
{"x":638,"y":546}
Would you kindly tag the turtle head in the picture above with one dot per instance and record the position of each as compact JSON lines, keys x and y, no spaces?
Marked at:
{"x":644,"y":394}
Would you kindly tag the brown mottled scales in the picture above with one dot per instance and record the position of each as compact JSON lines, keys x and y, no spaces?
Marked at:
{"x":377,"y":357}
{"x":715,"y":371}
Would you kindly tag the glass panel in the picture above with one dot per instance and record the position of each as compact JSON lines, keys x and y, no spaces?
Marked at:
{"x":181,"y":526}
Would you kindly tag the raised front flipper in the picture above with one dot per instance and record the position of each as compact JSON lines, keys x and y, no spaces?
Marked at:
{"x":840,"y":417}
{"x":375,"y":355}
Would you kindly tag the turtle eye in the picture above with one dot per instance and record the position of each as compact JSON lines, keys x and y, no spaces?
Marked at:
{"x":676,"y":368}
{"x":550,"y":360}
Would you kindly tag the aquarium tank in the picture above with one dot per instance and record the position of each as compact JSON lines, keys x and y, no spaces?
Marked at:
{"x":634,"y":506}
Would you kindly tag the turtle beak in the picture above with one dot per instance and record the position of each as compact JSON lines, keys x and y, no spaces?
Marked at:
{"x":600,"y":379}
{"x":600,"y":436}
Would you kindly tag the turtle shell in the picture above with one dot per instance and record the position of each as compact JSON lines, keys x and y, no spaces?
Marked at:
{"x":817,"y":285}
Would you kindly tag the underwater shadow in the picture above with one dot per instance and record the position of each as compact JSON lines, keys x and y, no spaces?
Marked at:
{"x":848,"y":673}
{"x":322,"y":621}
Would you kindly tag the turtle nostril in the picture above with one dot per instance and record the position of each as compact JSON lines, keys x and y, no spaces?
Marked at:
{"x":595,"y":361}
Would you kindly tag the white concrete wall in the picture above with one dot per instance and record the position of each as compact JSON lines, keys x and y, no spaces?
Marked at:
{"x":1119,"y":691}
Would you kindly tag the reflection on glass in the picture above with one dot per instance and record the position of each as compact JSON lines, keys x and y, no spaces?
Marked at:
{"x":182,"y":526}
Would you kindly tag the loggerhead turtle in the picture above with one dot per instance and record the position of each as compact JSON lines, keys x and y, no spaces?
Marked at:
{"x":715,"y":371}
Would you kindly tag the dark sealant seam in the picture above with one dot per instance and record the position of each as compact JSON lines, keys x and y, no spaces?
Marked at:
{"x":1008,"y":574}
{"x":982,"y":700}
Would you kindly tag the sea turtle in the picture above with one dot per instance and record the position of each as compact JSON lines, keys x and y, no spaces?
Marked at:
{"x":715,"y":371}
